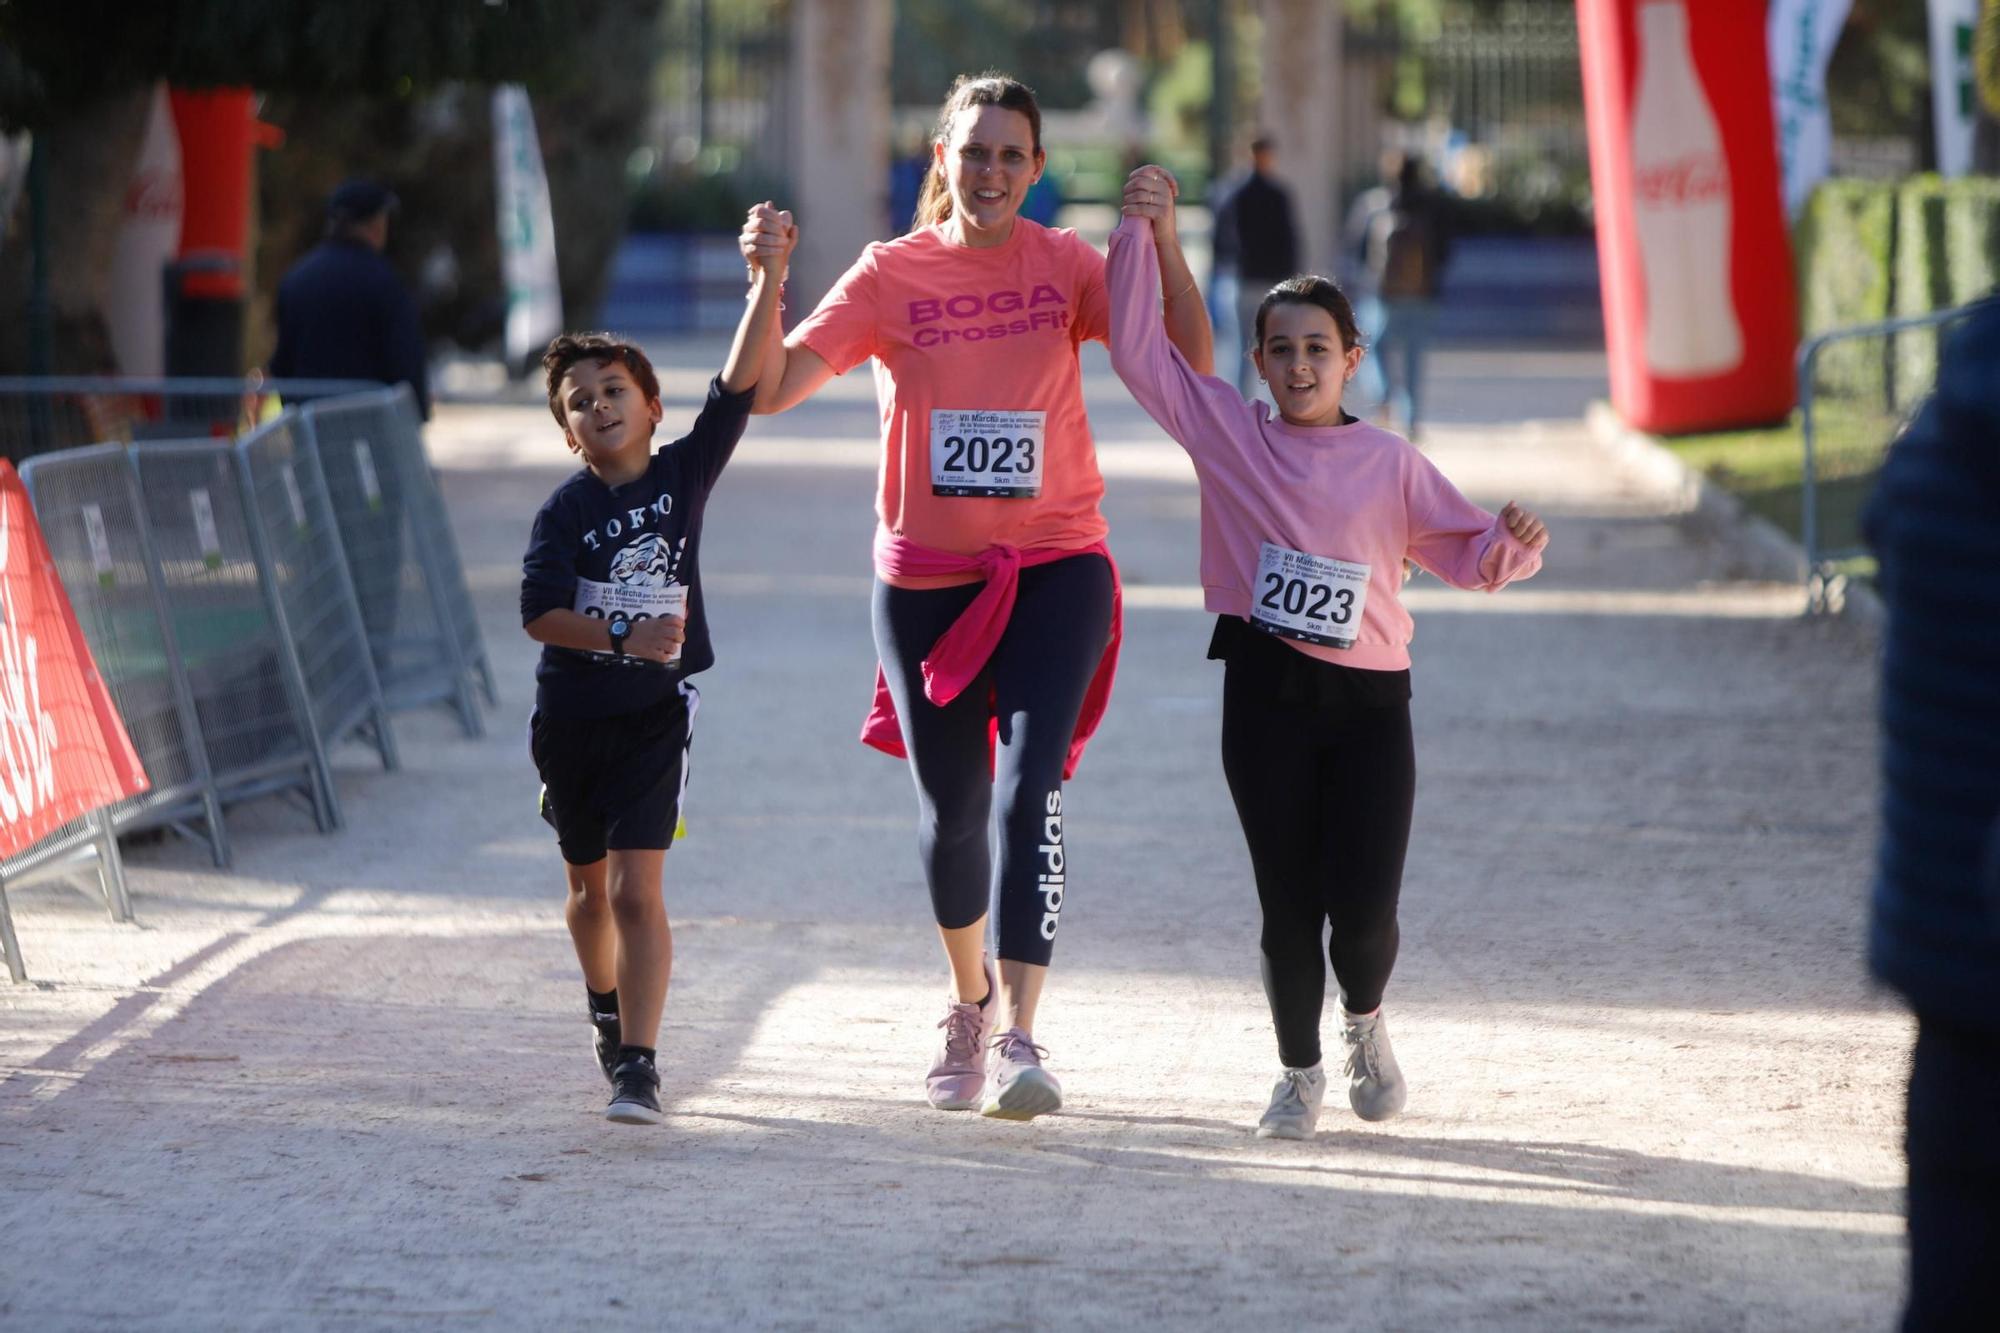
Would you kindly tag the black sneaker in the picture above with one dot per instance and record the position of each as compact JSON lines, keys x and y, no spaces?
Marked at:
{"x":608,"y":1038}
{"x":636,"y":1100}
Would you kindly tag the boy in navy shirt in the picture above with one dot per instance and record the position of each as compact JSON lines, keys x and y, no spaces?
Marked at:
{"x":611,"y":589}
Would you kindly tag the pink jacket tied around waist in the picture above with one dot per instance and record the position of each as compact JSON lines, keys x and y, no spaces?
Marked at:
{"x":958,"y":657}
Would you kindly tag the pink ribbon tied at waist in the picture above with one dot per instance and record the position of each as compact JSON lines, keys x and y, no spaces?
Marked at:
{"x":962,"y":652}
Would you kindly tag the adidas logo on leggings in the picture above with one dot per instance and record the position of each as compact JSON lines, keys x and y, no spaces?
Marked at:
{"x":1051,"y":878}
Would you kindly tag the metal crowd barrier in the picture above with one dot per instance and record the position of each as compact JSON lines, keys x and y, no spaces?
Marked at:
{"x":415,"y":604}
{"x":298,"y":547}
{"x":240,"y":575}
{"x":44,"y":414}
{"x":241,"y":672}
{"x":89,"y":840}
{"x":87,"y":501}
{"x":1859,"y":389}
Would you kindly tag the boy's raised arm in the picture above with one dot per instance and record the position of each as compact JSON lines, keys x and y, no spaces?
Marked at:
{"x":750,"y":362}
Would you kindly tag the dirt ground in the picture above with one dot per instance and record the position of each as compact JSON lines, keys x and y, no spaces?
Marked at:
{"x":348,"y":1084}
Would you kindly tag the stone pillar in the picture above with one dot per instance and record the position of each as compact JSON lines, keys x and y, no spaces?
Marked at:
{"x":1300,"y":106}
{"x":840,"y":139}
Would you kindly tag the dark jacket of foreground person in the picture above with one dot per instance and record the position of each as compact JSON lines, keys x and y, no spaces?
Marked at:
{"x":1935,"y":525}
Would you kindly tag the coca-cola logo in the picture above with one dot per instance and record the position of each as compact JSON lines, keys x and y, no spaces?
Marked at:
{"x":154,"y":196}
{"x":1692,"y":178}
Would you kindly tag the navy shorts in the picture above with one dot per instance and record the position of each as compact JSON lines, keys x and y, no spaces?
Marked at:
{"x":614,"y":783}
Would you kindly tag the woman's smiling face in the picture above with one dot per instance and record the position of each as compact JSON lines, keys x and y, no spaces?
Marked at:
{"x":989,"y":162}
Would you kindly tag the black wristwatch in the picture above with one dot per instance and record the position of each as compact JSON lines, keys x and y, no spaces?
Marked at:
{"x":620,"y":630}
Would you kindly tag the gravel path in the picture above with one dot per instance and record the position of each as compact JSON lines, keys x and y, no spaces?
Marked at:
{"x":349,"y":1085}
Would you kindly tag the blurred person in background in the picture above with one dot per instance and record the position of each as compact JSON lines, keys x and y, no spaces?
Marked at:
{"x":342,"y":311}
{"x":1398,"y":232}
{"x":1934,"y":522}
{"x":1258,"y":242}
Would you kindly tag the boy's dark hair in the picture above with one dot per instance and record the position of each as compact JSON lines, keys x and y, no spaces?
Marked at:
{"x":569,"y":348}
{"x":1311,"y":289}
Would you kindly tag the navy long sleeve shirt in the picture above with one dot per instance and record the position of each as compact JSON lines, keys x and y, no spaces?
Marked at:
{"x":344,"y":314}
{"x":1934,"y":521}
{"x":607,"y":550}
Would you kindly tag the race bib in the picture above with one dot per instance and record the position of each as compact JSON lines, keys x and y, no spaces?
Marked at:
{"x":995,"y":455}
{"x":628,"y":601}
{"x":1308,"y":597}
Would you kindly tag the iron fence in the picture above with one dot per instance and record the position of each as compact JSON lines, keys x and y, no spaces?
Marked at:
{"x":87,"y":502}
{"x":415,"y":605}
{"x":1859,"y":389}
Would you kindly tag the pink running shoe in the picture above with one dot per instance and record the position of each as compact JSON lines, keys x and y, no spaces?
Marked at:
{"x":1018,"y":1087}
{"x":959,"y":1072}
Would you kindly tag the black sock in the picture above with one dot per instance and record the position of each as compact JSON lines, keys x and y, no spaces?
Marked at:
{"x":629,"y":1052}
{"x":603,"y":1003}
{"x":981,"y":1001}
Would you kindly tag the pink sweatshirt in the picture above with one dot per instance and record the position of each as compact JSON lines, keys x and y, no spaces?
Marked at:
{"x":1355,"y":493}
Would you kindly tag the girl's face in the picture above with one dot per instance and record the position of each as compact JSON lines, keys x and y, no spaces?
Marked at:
{"x":989,"y":161}
{"x":1305,"y":363}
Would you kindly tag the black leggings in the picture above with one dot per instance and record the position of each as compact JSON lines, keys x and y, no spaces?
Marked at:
{"x":1320,"y":761}
{"x":1034,"y":686}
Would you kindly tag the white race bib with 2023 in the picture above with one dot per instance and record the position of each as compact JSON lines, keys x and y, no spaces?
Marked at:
{"x":994,"y":455}
{"x":1308,"y":597}
{"x":628,"y":601}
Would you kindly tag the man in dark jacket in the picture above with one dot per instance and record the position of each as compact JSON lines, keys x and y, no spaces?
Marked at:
{"x":1935,"y":524}
{"x":342,"y":311}
{"x":1255,"y":238}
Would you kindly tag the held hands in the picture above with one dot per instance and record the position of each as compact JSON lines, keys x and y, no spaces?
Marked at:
{"x":767,"y":239}
{"x":1150,"y":193}
{"x":657,"y":638}
{"x":1528,"y":530}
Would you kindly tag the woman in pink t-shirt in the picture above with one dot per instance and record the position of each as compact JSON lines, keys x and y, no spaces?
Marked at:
{"x":1307,"y":518}
{"x":996,"y":602}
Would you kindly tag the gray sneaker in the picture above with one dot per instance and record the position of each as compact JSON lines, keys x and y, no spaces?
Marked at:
{"x":1017,"y":1087}
{"x":1375,"y":1086}
{"x":1295,"y":1102}
{"x":958,"y":1075}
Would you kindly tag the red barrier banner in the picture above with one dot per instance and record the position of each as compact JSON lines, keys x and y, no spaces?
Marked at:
{"x":63,"y":750}
{"x":1694,"y":257}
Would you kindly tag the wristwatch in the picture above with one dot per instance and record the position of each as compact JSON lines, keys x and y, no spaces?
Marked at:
{"x":620,"y":630}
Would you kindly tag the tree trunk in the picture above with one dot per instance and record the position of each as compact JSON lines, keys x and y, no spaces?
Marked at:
{"x":90,"y":159}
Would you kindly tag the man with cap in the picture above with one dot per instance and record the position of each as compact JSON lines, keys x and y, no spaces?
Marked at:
{"x":342,"y":311}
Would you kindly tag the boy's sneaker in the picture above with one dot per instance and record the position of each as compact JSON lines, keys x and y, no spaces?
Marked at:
{"x":1375,"y":1087}
{"x":636,"y":1096}
{"x":609,"y":1037}
{"x":1017,"y":1087}
{"x":1295,"y":1102}
{"x":959,"y":1073}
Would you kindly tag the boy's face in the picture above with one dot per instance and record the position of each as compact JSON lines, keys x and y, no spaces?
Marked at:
{"x":607,"y":418}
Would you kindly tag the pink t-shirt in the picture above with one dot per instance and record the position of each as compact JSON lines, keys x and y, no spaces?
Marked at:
{"x":993,"y":330}
{"x":1355,"y":493}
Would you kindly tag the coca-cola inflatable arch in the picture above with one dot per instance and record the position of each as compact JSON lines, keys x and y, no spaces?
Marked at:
{"x":1699,"y":317}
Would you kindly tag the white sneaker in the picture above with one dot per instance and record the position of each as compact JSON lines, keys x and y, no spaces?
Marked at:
{"x":1295,"y":1102}
{"x":1375,"y":1086}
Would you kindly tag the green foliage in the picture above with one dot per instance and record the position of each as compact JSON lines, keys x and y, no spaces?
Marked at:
{"x":1047,"y":47}
{"x":1177,"y":102}
{"x":1986,"y":56}
{"x":61,"y":54}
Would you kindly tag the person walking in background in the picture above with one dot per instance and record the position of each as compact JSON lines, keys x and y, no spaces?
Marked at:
{"x":996,"y":602}
{"x":1256,"y":238}
{"x":343,"y":314}
{"x":1399,"y":236}
{"x":1934,"y":522}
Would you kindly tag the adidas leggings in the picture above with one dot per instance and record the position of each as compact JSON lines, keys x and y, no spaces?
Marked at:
{"x":1320,"y":762}
{"x":1035,"y":682}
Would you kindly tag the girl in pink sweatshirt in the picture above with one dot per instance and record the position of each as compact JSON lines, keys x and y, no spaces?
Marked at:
{"x":1307,"y":518}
